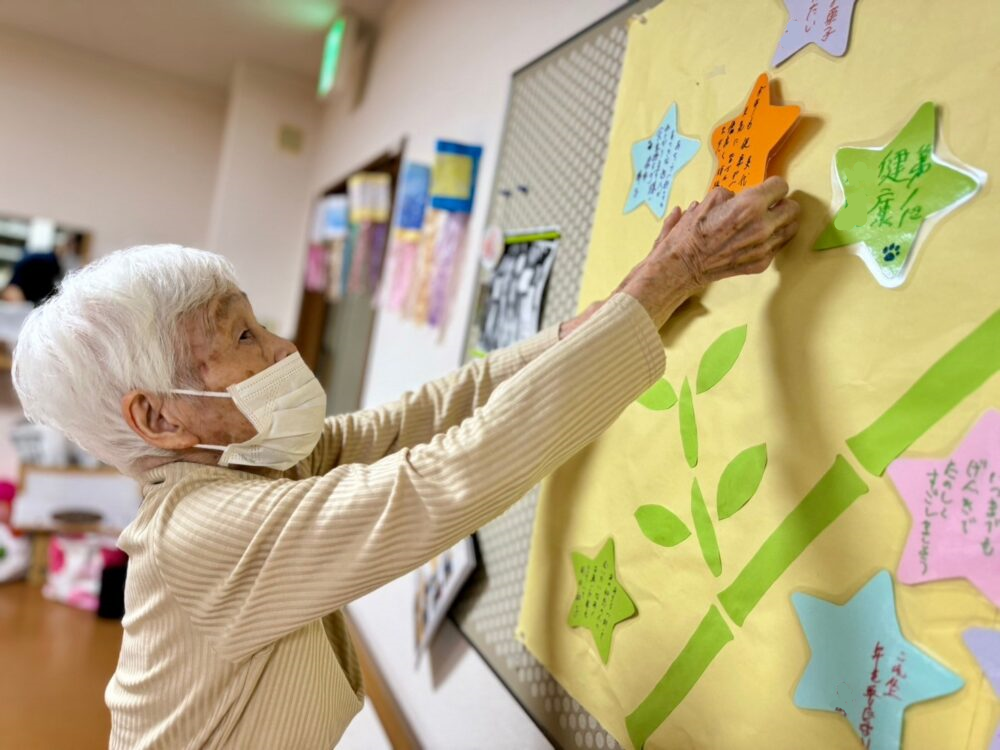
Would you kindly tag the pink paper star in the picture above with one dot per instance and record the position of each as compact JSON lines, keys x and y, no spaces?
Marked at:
{"x":955,"y":505}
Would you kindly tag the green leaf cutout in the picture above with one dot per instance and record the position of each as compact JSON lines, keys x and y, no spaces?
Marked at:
{"x":689,"y":428}
{"x":660,"y":397}
{"x":740,"y":480}
{"x":720,"y":357}
{"x":661,"y":526}
{"x":706,"y":532}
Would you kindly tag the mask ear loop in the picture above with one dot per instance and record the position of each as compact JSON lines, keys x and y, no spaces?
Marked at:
{"x":212,"y":394}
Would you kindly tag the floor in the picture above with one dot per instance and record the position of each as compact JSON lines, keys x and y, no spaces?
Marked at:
{"x":54,"y":664}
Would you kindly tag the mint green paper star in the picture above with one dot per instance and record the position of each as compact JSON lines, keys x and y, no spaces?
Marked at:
{"x":601,"y":603}
{"x":888,"y":193}
{"x":863,"y":667}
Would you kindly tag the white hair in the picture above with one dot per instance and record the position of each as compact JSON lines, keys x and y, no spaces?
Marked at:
{"x":113,"y":327}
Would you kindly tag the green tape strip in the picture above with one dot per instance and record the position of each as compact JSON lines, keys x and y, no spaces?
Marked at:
{"x":511,"y":239}
{"x":832,"y":495}
{"x":701,"y":649}
{"x":956,"y":375}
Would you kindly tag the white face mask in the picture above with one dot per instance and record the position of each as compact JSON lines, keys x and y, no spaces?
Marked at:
{"x":287,"y":405}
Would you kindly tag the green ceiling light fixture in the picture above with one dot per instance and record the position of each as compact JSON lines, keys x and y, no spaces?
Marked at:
{"x":331,"y":57}
{"x":346,"y":57}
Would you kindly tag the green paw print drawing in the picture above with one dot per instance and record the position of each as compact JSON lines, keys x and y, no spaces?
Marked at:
{"x":890,"y":252}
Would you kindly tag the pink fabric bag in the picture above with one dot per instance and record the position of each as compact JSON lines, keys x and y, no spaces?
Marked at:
{"x":75,"y":566}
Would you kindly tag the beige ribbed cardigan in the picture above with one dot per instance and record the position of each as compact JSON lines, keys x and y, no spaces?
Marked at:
{"x":233,"y":634}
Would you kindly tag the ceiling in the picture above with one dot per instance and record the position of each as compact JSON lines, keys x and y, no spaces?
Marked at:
{"x":200,"y":40}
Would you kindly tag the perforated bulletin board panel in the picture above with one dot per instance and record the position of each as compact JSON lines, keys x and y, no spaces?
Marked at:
{"x":549,"y":172}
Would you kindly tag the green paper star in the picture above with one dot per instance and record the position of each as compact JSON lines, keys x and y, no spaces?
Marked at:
{"x":601,"y":603}
{"x":888,"y":193}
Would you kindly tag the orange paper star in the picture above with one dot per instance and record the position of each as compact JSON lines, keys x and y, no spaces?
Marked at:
{"x":744,"y":144}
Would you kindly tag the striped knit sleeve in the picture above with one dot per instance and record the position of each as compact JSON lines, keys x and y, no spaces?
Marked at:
{"x":253,"y":561}
{"x":369,"y":435}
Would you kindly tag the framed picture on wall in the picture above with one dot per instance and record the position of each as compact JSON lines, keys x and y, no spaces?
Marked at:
{"x":438,"y":583}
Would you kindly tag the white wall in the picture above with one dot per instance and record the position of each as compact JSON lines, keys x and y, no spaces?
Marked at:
{"x":451,"y":699}
{"x":441,"y":69}
{"x":263,"y":193}
{"x":137,"y":156}
{"x":126,"y":153}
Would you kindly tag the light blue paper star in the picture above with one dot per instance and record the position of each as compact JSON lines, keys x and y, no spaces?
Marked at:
{"x":656,"y":161}
{"x":862,"y":667}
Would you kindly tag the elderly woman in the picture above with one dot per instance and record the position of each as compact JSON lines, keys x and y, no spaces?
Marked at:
{"x":261,"y":518}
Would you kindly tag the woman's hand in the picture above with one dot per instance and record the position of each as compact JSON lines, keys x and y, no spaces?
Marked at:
{"x":725,"y":235}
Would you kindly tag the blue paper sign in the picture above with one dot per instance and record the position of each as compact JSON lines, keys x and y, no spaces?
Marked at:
{"x":333,"y":217}
{"x":411,"y":198}
{"x":453,"y":182}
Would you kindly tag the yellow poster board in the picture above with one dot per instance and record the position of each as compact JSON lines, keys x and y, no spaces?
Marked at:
{"x":828,"y":351}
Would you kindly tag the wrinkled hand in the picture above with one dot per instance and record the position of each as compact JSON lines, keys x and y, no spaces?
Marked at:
{"x":724,"y":235}
{"x":728,"y":235}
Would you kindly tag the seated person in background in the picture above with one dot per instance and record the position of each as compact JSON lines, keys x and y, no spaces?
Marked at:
{"x":37,"y":275}
{"x":35,"y":278}
{"x":261,"y":518}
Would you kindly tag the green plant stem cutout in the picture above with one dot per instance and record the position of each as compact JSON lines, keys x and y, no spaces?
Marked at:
{"x":740,"y":480}
{"x":720,"y":357}
{"x":958,"y":374}
{"x":660,"y":397}
{"x":970,"y":363}
{"x":705,"y":644}
{"x":689,"y":428}
{"x":705,"y":531}
{"x":601,"y":602}
{"x":835,"y":492}
{"x":661,"y":526}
